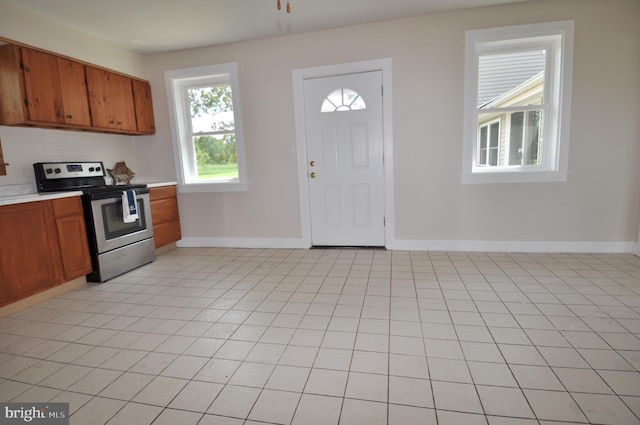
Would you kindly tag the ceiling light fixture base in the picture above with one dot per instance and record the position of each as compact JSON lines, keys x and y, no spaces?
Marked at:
{"x":279,"y":6}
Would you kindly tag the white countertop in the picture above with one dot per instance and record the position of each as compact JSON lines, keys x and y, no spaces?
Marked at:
{"x":158,"y":183}
{"x":34,"y":197}
{"x":10,"y":198}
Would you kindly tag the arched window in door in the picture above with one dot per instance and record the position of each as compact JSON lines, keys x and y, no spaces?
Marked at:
{"x":343,"y":99}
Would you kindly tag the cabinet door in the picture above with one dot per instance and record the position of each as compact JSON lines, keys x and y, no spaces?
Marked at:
{"x":144,"y":107}
{"x":29,"y":256}
{"x":72,"y":237}
{"x":43,"y":96}
{"x":166,"y":233}
{"x":74,"y":248}
{"x":111,"y":100}
{"x":12,"y":107}
{"x":55,"y":89}
{"x":75,"y":99}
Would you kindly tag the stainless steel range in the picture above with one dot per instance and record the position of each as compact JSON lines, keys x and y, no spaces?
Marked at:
{"x":117,"y":243}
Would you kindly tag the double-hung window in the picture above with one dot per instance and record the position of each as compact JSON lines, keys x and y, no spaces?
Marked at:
{"x":207,"y":128}
{"x":517,"y":103}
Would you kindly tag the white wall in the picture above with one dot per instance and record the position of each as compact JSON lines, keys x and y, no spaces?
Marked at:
{"x":24,"y":27}
{"x":598,"y":203}
{"x":597,"y":209}
{"x":24,"y":146}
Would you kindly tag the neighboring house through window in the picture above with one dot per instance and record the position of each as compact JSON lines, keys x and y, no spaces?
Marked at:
{"x":517,"y":103}
{"x":207,"y":128}
{"x":489,"y":146}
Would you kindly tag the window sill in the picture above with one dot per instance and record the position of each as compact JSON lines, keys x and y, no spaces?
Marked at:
{"x":514,"y":177}
{"x":212,"y":187}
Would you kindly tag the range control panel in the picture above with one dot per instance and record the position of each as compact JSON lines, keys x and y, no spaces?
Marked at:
{"x":65,"y":170}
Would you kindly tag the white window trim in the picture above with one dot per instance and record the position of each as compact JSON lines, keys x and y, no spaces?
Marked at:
{"x":557,"y":126}
{"x":176,"y":81}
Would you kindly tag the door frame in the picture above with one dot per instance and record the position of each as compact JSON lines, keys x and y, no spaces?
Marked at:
{"x":299,"y":75}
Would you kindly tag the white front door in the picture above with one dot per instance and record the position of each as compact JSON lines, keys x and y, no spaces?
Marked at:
{"x":345,"y":170}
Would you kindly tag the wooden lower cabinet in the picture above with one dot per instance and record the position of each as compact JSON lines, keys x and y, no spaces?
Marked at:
{"x":72,"y":237}
{"x":165,"y":215}
{"x":39,"y":249}
{"x":29,"y":255}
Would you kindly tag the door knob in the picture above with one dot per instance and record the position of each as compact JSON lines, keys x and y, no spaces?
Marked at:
{"x":312,"y":175}
{"x":312,"y":163}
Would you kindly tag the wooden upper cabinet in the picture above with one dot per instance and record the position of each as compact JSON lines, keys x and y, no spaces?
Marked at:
{"x":41,"y":89}
{"x":144,"y":107}
{"x":12,"y":108}
{"x":42,"y":97}
{"x":55,"y":89}
{"x":73,"y":86}
{"x":111,"y":100}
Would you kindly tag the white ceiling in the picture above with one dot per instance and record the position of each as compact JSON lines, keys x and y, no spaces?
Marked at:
{"x":150,"y":26}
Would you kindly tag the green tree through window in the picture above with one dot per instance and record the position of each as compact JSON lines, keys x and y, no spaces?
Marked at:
{"x":213,"y":131}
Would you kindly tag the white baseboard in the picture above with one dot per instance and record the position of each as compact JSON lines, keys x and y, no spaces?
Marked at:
{"x":429,"y":245}
{"x":242,"y":243}
{"x":513,"y":246}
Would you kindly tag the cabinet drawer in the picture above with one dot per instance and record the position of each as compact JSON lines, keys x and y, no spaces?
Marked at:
{"x":67,"y":206}
{"x":162,"y":192}
{"x":164,"y":210}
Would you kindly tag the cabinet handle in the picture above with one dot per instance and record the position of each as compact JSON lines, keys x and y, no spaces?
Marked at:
{"x":112,"y":122}
{"x":4,"y":164}
{"x":69,"y":116}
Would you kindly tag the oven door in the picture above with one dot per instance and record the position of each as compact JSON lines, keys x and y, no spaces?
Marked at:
{"x":111,"y":230}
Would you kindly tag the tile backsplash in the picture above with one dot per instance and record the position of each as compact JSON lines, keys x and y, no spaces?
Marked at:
{"x":17,"y":189}
{"x":23,"y":146}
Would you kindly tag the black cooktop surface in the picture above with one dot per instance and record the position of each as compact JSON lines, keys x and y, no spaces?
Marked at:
{"x":112,"y":188}
{"x":112,"y":191}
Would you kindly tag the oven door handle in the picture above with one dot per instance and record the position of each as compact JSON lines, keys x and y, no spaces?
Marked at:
{"x":115,"y":194}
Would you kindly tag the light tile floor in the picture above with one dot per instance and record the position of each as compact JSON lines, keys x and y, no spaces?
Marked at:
{"x":239,"y":336}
